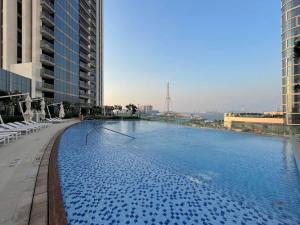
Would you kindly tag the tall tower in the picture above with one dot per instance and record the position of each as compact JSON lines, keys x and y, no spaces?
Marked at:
{"x":168,"y":98}
{"x":291,"y":61}
{"x":58,"y":45}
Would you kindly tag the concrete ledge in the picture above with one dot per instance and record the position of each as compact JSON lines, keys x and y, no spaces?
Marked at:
{"x":296,"y":142}
{"x":47,"y":203}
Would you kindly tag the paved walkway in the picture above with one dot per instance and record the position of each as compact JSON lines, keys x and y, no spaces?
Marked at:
{"x":19,"y":163}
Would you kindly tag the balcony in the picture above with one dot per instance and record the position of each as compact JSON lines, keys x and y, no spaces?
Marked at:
{"x":85,"y":105}
{"x":92,"y":38}
{"x":82,"y":94}
{"x":84,"y":7}
{"x":84,"y":47}
{"x":47,"y":46}
{"x":84,"y":28}
{"x":84,"y":37}
{"x":47,"y":33}
{"x":48,"y":5}
{"x":84,"y":22}
{"x":84,"y":66}
{"x":92,"y":31}
{"x":47,"y":73}
{"x":93,"y":55}
{"x":93,"y":64}
{"x":84,"y":85}
{"x":49,"y":100}
{"x":84,"y":76}
{"x":93,"y":22}
{"x":84,"y":57}
{"x":44,"y":86}
{"x":92,"y":14}
{"x":48,"y":60}
{"x":47,"y":18}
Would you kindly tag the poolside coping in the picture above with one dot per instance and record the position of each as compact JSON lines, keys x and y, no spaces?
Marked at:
{"x":47,"y":204}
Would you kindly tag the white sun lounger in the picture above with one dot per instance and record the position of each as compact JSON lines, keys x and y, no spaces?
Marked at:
{"x":36,"y":123}
{"x":4,"y":130}
{"x":35,"y":127}
{"x":12,"y":134}
{"x":8,"y":136}
{"x":3,"y":140}
{"x":54,"y":120}
{"x":31,"y":129}
{"x":11,"y":128}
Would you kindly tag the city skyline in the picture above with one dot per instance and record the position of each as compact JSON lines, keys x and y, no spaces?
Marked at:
{"x":214,"y":63}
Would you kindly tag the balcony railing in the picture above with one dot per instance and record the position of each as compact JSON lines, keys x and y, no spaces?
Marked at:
{"x":84,"y":85}
{"x":47,"y":32}
{"x":47,"y":18}
{"x":84,"y":66}
{"x":84,"y":37}
{"x":44,"y":86}
{"x":84,"y":76}
{"x":83,"y":95}
{"x":93,"y":55}
{"x":92,"y":21}
{"x":84,"y":22}
{"x":84,"y":6}
{"x":47,"y":59}
{"x":84,"y":47}
{"x":47,"y":4}
{"x":47,"y":73}
{"x":84,"y":57}
{"x":92,"y":30}
{"x":85,"y":104}
{"x":49,"y":100}
{"x":84,"y":28}
{"x":92,"y":38}
{"x":48,"y":46}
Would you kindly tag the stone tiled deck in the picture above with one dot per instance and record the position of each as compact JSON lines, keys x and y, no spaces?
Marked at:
{"x":19,"y":164}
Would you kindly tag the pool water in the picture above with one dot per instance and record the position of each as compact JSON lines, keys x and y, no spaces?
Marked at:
{"x":171,"y":174}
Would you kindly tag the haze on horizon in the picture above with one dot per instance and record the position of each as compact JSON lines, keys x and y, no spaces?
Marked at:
{"x":218,"y":56}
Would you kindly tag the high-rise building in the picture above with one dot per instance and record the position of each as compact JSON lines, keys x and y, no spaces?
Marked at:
{"x":291,"y":61}
{"x":58,"y":45}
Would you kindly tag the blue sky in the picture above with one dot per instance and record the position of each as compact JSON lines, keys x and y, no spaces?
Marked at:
{"x":218,"y":55}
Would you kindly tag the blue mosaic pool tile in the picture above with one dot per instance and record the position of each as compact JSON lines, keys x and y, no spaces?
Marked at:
{"x":102,"y":183}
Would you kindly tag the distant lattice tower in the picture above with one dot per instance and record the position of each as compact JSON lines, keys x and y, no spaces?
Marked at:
{"x":168,"y":98}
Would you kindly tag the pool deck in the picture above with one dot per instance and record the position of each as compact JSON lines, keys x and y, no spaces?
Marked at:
{"x":19,"y":164}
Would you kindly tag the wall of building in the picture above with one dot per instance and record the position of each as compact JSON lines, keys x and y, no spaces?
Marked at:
{"x":9,"y":33}
{"x":64,"y":82}
{"x":11,"y":82}
{"x":290,"y":61}
{"x":228,"y":120}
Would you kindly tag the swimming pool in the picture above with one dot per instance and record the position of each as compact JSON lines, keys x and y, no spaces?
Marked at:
{"x":173,"y":174}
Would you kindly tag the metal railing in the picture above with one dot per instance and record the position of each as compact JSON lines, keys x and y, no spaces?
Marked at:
{"x":47,"y":30}
{"x":85,"y":56}
{"x":47,"y":72}
{"x":84,"y":66}
{"x":47,"y":58}
{"x":49,"y":4}
{"x":47,"y":44}
{"x":84,"y":75}
{"x":48,"y":17}
{"x":84,"y":85}
{"x":42,"y":85}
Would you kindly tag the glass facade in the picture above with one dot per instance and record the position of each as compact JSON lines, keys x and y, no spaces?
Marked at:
{"x":66,"y":51}
{"x":11,"y":82}
{"x":291,"y":61}
{"x":69,"y":51}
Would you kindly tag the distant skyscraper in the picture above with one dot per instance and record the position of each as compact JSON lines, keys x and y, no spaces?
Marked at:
{"x":56,"y":43}
{"x":291,"y":61}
